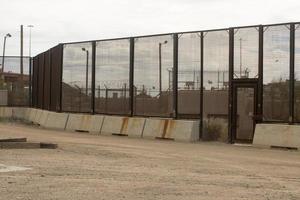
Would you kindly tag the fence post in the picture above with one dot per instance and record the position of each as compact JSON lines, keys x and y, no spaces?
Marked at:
{"x":61,"y":76}
{"x":44,"y":74}
{"x":131,"y":76}
{"x":292,"y":72}
{"x":230,"y":78}
{"x":201,"y":83}
{"x":93,"y":76}
{"x":175,"y":75}
{"x":37,"y":81}
{"x":260,"y":70}
{"x":50,"y":77}
{"x":30,"y":82}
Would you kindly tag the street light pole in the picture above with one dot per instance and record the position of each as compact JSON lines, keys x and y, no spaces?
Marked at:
{"x":30,"y":27}
{"x":159,"y":64}
{"x":4,"y":43}
{"x":87,"y":70}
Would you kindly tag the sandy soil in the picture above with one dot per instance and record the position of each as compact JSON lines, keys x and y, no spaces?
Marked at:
{"x":93,"y":167}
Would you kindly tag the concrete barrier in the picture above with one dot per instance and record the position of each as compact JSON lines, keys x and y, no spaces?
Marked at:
{"x":6,"y":112}
{"x":73,"y":123}
{"x":27,"y":114}
{"x":89,"y":123}
{"x":157,"y":128}
{"x":32,"y":113}
{"x":114,"y":125}
{"x":277,"y":135}
{"x":93,"y":123}
{"x":43,"y":118}
{"x":179,"y":130}
{"x":18,"y":113}
{"x":37,"y":116}
{"x":135,"y":127}
{"x":186,"y":131}
{"x":56,"y":120}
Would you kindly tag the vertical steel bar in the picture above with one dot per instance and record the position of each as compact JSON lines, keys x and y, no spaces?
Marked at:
{"x":37,"y":81}
{"x":93,"y":76}
{"x":292,"y":73}
{"x":159,"y":68}
{"x":34,"y":85}
{"x":21,"y":62}
{"x":44,"y":71}
{"x":131,"y":76}
{"x":230,"y":99}
{"x":201,"y":82}
{"x":260,"y":71}
{"x":21,"y":51}
{"x":175,"y":75}
{"x":87,"y":74}
{"x":61,"y":76}
{"x":50,"y":76}
{"x":30,"y":82}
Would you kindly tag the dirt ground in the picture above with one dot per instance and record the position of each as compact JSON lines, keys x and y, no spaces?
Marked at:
{"x":90,"y":167}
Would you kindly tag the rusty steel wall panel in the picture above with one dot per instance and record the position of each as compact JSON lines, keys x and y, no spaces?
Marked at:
{"x":35,"y":81}
{"x":47,"y":81}
{"x":40,"y":81}
{"x":56,"y":66}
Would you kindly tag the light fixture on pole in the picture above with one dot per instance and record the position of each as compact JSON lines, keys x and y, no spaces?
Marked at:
{"x":159,"y":64}
{"x":4,"y":43}
{"x":87,"y":70}
{"x":30,"y":27}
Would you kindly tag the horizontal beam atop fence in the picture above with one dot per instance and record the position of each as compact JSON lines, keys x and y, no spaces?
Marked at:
{"x":184,"y":32}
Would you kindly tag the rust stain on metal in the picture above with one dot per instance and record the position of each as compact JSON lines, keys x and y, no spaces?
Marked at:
{"x":124,"y":125}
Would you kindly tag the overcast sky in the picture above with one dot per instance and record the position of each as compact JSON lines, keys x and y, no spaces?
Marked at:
{"x":58,"y":21}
